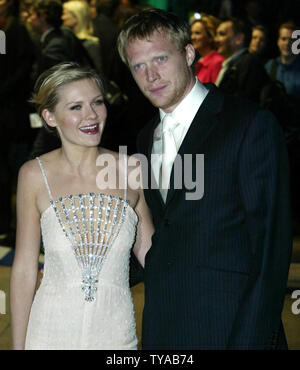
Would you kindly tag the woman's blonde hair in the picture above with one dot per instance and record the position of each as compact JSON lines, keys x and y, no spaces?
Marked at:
{"x":48,"y":85}
{"x":210,"y":23}
{"x":80,"y":10}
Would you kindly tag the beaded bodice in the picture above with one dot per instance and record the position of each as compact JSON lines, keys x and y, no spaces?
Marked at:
{"x":90,"y":223}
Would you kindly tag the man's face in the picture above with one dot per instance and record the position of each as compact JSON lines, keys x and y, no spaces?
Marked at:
{"x":34,"y":20}
{"x":285,"y":42}
{"x":227,"y":42}
{"x":258,"y":42}
{"x":161,"y":71}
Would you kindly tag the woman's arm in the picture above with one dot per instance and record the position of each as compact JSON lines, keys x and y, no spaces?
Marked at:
{"x":145,"y":229}
{"x":25,"y":265}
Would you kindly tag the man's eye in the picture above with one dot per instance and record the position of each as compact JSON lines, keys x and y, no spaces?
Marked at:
{"x":162,"y":59}
{"x":137,"y":67}
{"x":76,"y":107}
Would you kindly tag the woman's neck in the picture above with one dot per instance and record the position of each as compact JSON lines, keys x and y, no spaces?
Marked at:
{"x":80,"y":160}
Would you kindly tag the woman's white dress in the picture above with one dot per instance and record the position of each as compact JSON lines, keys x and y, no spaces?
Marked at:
{"x":84,"y":300}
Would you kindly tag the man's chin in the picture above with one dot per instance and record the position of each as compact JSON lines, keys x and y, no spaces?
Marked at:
{"x":157,"y":103}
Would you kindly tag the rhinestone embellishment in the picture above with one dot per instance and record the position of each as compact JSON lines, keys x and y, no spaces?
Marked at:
{"x":91,"y":222}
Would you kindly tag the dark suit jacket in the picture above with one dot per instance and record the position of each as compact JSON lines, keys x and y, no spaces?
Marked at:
{"x":61,"y":45}
{"x":107,"y":31}
{"x":245,"y":77}
{"x":215,"y":275}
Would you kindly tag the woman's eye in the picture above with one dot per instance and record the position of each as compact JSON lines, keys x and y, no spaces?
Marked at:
{"x":98,"y":102}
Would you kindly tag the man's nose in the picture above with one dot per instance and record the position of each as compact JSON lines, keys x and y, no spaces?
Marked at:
{"x":152,"y":74}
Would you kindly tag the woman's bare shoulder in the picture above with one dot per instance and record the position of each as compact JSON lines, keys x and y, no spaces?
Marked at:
{"x":31,"y":171}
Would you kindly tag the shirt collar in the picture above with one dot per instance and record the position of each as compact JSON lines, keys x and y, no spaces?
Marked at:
{"x":186,"y":110}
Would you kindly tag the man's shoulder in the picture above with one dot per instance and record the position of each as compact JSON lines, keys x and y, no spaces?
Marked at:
{"x":247,"y":58}
{"x":55,"y":38}
{"x":238,"y":109}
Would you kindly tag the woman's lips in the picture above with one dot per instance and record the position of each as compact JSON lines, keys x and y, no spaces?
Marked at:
{"x":90,"y":130}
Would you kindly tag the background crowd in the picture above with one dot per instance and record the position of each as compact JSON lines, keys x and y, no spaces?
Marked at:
{"x":244,"y":47}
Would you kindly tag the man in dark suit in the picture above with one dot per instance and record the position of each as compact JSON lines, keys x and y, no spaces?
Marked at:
{"x":106,"y":30}
{"x":215,"y":275}
{"x":57,"y":44}
{"x":243,"y":73}
{"x":15,"y":134}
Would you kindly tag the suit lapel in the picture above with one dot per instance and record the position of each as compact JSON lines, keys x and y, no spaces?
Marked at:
{"x":199,"y":130}
{"x":155,"y":192}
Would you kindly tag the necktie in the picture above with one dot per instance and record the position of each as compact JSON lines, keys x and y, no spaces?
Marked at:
{"x":169,"y":153}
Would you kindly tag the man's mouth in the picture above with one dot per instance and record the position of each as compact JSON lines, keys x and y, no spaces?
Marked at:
{"x":157,"y":90}
{"x":91,"y":129}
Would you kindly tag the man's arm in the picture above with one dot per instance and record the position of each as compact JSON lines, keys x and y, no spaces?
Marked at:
{"x":264,"y":191}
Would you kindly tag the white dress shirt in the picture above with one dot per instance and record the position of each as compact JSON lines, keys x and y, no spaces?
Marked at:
{"x":184,"y":115}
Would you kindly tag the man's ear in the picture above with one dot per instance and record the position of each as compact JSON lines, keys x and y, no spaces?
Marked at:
{"x":190,"y":54}
{"x":49,"y":118}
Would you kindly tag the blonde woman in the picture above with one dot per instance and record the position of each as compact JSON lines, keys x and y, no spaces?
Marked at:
{"x":209,"y":64}
{"x":88,"y":226}
{"x":76,"y":16}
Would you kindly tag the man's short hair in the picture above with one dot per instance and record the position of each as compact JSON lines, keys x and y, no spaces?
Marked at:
{"x":143,"y":24}
{"x":52,"y":9}
{"x":240,"y":27}
{"x":261,"y":28}
{"x":288,"y":25}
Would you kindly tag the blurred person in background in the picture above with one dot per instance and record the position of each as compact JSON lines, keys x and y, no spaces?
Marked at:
{"x":15,"y":133}
{"x":203,"y":32}
{"x":24,"y":13}
{"x":259,"y":39}
{"x":242,"y":73}
{"x":76,"y":16}
{"x":286,"y":67}
{"x":57,"y":44}
{"x":102,"y":12}
{"x":285,"y":70}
